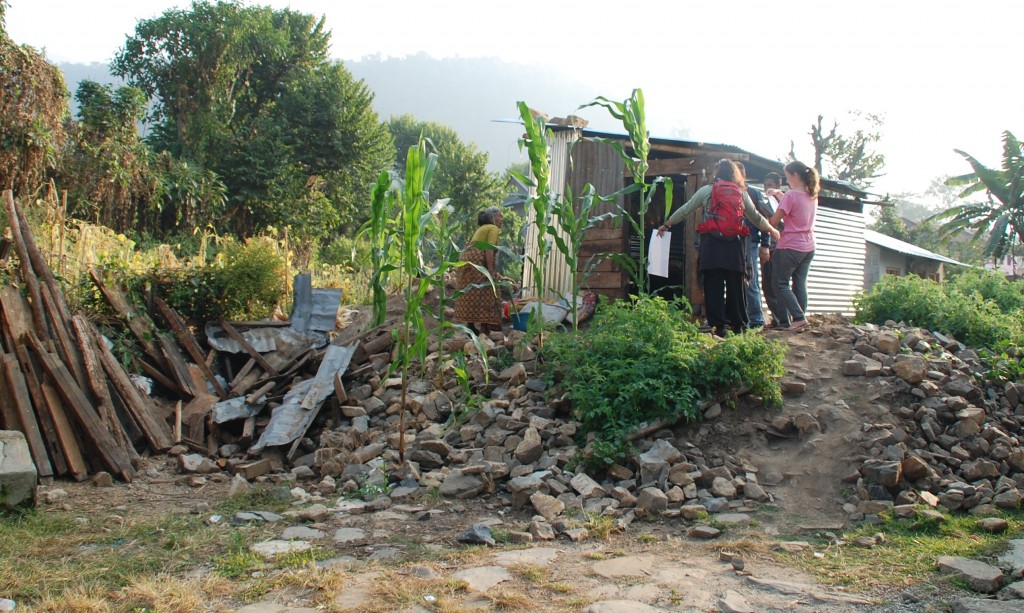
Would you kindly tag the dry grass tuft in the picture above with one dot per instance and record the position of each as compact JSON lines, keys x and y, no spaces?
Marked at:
{"x":507,"y":600}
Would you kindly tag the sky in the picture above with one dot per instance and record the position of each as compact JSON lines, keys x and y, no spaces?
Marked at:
{"x":944,"y":74}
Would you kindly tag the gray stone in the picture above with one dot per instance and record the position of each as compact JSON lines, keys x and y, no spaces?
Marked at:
{"x":979,"y":576}
{"x":535,"y":556}
{"x":195,"y":463}
{"x":982,"y":605}
{"x":296,"y":533}
{"x":1013,"y":557}
{"x":530,"y":449}
{"x":911,"y":368}
{"x":755,"y":492}
{"x":723,"y":488}
{"x":652,"y":500}
{"x":477,"y":535}
{"x":587,"y":487}
{"x":483,"y":578}
{"x":888,"y":343}
{"x":882,"y":472}
{"x":993,"y":525}
{"x":459,"y":485}
{"x":733,"y":602}
{"x":272,"y":549}
{"x":704,"y":532}
{"x":274,"y":607}
{"x":349,"y":536}
{"x":17,"y":471}
{"x":542,"y":531}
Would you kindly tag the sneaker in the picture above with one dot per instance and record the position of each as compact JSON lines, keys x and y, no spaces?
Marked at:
{"x":797,"y":324}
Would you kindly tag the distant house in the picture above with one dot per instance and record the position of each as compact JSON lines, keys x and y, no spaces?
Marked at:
{"x":890,"y":256}
{"x":1011,"y":265}
{"x":581,"y":156}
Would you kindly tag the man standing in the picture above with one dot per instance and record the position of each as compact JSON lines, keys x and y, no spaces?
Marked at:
{"x":757,"y":242}
{"x":772,"y":183}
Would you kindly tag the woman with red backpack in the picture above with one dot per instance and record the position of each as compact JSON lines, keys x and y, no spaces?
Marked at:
{"x":722,"y":251}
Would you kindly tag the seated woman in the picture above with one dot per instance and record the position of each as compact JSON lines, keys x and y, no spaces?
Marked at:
{"x":479,"y":307}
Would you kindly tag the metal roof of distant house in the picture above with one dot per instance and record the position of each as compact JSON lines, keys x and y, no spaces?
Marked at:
{"x":894,"y":244}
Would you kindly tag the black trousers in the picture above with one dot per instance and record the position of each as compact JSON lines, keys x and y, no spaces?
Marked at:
{"x":724,"y":300}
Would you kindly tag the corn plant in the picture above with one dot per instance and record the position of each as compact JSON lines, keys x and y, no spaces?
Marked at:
{"x":631,"y":113}
{"x":382,"y":238}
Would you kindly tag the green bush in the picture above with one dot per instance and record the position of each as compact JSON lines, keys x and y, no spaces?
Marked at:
{"x":644,"y":359}
{"x":990,"y":285}
{"x":968,"y":309}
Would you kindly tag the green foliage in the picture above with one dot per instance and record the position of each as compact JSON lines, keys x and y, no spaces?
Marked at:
{"x":966,"y":309}
{"x":1000,"y":215}
{"x":248,"y":94}
{"x":643,"y":360}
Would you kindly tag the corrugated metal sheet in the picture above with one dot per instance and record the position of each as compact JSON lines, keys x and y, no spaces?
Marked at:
{"x":558,"y":279}
{"x":837,"y":271}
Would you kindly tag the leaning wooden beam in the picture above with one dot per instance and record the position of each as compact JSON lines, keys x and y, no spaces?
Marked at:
{"x":92,"y":427}
{"x":140,"y":325}
{"x":62,"y":331}
{"x":28,"y":275}
{"x":18,"y":392}
{"x":100,"y":387}
{"x":138,"y":405}
{"x":43,"y":412}
{"x":233,"y":333}
{"x":179,"y":368}
{"x":69,"y":444}
{"x":191,"y":346}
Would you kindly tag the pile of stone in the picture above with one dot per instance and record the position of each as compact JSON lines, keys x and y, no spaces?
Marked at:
{"x":956,"y":440}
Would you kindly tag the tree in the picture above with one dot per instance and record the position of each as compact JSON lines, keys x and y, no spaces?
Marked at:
{"x":852,"y":157}
{"x":1001,"y":213}
{"x":890,"y":222}
{"x":462,"y":172}
{"x":33,"y":106}
{"x":249,"y":94}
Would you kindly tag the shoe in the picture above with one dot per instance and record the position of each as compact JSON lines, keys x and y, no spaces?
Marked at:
{"x":798,"y":324}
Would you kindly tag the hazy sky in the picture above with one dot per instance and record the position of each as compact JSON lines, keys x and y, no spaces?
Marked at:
{"x":945,"y":74}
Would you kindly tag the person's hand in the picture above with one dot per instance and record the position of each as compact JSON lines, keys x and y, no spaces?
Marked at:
{"x":774,"y":233}
{"x":763,"y":255}
{"x":774,"y":193}
{"x":661,"y":230}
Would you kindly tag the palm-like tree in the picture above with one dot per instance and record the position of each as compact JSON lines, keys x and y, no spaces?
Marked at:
{"x":1001,"y":213}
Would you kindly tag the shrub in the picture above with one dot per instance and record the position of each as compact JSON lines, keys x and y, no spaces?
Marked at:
{"x":968,"y":309}
{"x":643,"y":360}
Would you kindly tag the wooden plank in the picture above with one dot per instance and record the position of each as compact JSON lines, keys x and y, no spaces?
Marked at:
{"x":233,"y":333}
{"x":339,"y":389}
{"x":139,"y":324}
{"x":28,"y":276}
{"x":190,"y":344}
{"x":35,"y":390}
{"x":19,"y":396}
{"x":62,"y":335}
{"x":100,"y":387}
{"x":177,"y":366}
{"x":77,"y":465}
{"x":159,"y":376}
{"x":138,"y":405}
{"x":9,"y":419}
{"x":236,"y":382}
{"x":92,"y":427}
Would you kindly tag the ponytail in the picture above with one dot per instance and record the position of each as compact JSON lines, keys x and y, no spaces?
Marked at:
{"x":812,"y":182}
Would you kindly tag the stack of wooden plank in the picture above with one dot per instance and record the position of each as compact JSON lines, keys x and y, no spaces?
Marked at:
{"x":61,"y":386}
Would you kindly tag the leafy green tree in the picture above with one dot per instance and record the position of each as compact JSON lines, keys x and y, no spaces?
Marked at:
{"x":848,"y":157}
{"x":248,"y":93}
{"x":33,"y":106}
{"x":462,"y":174}
{"x":890,"y":222}
{"x":106,"y":166}
{"x":1000,"y":214}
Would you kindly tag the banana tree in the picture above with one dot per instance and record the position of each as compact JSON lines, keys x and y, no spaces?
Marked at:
{"x":1001,"y":213}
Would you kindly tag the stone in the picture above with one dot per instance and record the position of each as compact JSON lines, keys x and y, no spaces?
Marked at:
{"x":993,"y":525}
{"x":652,"y":500}
{"x":704,"y":532}
{"x":982,"y":605}
{"x":535,"y":556}
{"x":530,"y":449}
{"x":272,"y":549}
{"x":723,"y":488}
{"x":548,"y":506}
{"x":195,"y":463}
{"x":301,"y":533}
{"x":733,"y":602}
{"x":911,"y":368}
{"x":586,"y":486}
{"x":576,"y":535}
{"x":755,"y":492}
{"x":349,"y":536}
{"x":483,"y":578}
{"x":238,"y":486}
{"x":882,"y":472}
{"x":979,"y":576}
{"x":542,"y":531}
{"x":459,"y":485}
{"x":479,"y":534}
{"x":17,"y":471}
{"x":620,"y":606}
{"x":888,"y":343}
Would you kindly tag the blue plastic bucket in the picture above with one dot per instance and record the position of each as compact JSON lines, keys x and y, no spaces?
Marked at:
{"x":520,"y":320}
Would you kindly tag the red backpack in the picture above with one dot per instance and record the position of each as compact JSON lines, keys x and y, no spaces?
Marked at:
{"x":724,"y":214}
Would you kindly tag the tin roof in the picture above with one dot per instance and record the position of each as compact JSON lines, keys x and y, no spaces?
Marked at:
{"x":894,"y":244}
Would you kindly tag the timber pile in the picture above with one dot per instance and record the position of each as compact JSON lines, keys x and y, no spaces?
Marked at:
{"x":81,"y":412}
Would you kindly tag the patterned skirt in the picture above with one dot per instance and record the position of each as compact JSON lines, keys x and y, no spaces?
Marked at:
{"x":479,"y":305}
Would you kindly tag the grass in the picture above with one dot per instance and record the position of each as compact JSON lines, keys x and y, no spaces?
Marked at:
{"x":908,"y":555}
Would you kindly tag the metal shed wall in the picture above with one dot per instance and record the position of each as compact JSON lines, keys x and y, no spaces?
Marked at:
{"x":557,"y":276}
{"x":837,"y":270}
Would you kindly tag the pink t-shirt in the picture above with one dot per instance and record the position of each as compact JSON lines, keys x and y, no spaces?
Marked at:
{"x":799,"y":211}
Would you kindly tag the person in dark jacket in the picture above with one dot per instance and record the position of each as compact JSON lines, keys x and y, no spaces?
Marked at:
{"x":757,"y":240}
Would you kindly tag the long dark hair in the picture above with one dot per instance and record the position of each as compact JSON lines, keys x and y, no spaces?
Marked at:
{"x":725,"y":170}
{"x":812,"y":183}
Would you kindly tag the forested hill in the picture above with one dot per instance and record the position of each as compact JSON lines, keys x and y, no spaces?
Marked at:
{"x":467,"y":94}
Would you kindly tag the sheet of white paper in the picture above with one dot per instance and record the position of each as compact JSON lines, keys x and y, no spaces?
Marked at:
{"x":657,"y":254}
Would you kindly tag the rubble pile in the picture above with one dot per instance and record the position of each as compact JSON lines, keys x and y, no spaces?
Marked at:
{"x":956,"y":439}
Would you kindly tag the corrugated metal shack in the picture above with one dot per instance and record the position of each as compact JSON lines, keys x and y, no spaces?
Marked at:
{"x":837,"y":272}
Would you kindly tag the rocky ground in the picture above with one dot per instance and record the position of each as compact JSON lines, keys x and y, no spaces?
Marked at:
{"x":874,"y":419}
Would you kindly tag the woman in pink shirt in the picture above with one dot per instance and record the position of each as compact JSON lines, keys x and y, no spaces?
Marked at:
{"x":791,"y":261}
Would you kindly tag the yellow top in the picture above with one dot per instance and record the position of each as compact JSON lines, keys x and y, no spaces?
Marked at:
{"x":487,"y":233}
